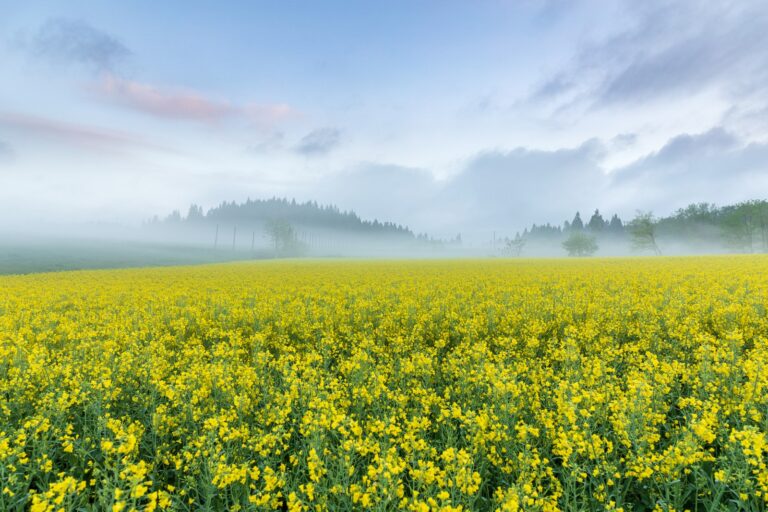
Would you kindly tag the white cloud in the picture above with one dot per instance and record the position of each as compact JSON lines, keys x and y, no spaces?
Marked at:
{"x":6,"y":151}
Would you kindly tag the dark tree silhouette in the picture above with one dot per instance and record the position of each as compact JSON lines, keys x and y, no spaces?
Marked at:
{"x":306,"y":215}
{"x":596,"y":223}
{"x":576,"y":223}
{"x":615,"y":226}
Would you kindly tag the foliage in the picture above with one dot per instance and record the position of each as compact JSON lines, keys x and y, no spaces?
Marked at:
{"x":740,"y":227}
{"x":745,"y":226}
{"x":309,"y":214}
{"x":580,"y":244}
{"x":283,"y":238}
{"x":514,"y":246}
{"x":596,"y":223}
{"x":576,"y":223}
{"x":597,"y":226}
{"x":442,"y":385}
{"x":542,"y":231}
{"x":615,"y":226}
{"x":643,"y":232}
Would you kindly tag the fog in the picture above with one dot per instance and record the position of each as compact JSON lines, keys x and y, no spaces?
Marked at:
{"x":210,"y":238}
{"x":109,"y":117}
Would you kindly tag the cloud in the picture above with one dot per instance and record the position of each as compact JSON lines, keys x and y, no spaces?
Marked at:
{"x":6,"y":152}
{"x":507,"y":190}
{"x":553,"y":87}
{"x":75,"y":134}
{"x":270,"y":142}
{"x":497,"y":188}
{"x":623,"y":141}
{"x":269,"y":114}
{"x":715,"y":56}
{"x":714,"y":166}
{"x":175,"y":104}
{"x":180,"y":104}
{"x":319,"y":141}
{"x":494,"y":189}
{"x":383,"y":191}
{"x":686,"y":147}
{"x":518,"y":187}
{"x":677,"y":156}
{"x":669,"y":49}
{"x":71,"y":41}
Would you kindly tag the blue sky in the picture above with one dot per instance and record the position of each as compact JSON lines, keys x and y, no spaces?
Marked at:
{"x":446,"y":116}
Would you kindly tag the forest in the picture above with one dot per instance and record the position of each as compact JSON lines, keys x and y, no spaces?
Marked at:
{"x":309,"y":214}
{"x":701,"y":227}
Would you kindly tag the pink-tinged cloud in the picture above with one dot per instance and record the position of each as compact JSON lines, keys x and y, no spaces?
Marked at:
{"x":75,"y":134}
{"x":185,"y":105}
{"x":270,"y":114}
{"x":175,"y":104}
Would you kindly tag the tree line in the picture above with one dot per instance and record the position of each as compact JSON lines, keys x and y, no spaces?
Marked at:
{"x":741,"y":227}
{"x":292,"y":227}
{"x":309,"y":214}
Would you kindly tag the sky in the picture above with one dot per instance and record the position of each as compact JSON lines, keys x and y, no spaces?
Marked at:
{"x":446,"y":116}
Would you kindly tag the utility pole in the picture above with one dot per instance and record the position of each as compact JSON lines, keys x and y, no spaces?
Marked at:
{"x":253,"y":241}
{"x":216,"y":237}
{"x":234,"y":237}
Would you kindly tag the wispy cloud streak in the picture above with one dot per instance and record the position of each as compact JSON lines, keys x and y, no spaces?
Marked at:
{"x":75,"y":134}
{"x":185,"y":105}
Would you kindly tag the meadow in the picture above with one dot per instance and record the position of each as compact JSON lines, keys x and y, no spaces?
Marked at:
{"x":595,"y":384}
{"x":26,"y":256}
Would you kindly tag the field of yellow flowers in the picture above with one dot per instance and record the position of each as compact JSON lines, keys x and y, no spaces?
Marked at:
{"x":604,"y":384}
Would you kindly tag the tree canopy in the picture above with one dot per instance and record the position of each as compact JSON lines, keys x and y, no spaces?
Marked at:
{"x":580,"y":244}
{"x":309,"y":214}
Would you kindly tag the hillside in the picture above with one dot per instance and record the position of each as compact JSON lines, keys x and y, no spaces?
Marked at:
{"x":308,"y":215}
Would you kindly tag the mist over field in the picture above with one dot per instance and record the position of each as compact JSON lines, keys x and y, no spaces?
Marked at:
{"x":418,"y":255}
{"x":468,"y":125}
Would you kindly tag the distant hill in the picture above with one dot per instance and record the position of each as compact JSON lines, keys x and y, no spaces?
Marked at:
{"x":285,"y":228}
{"x":309,"y":215}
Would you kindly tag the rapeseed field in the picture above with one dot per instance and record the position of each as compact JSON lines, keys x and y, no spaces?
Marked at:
{"x":605,"y":384}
